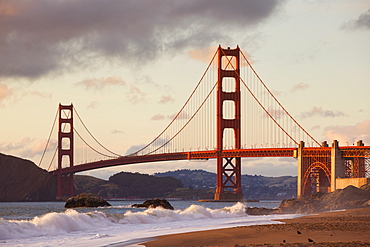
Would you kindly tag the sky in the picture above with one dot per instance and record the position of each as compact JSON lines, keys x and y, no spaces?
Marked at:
{"x":128,"y":65}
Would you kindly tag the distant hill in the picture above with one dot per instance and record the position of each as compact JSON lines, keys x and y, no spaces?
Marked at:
{"x":22,"y":180}
{"x":128,"y":185}
{"x":254,"y":186}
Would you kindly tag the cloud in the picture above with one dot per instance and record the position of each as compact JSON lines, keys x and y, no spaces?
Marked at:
{"x":5,"y":93}
{"x":181,"y":115}
{"x":39,"y":148}
{"x":41,"y":37}
{"x":319,"y":112}
{"x":134,"y":148}
{"x":158,"y":117}
{"x":362,"y":22}
{"x":300,"y":86}
{"x":93,"y":104}
{"x":349,"y":134}
{"x":135,"y":95}
{"x":316,"y":127}
{"x":27,"y":147}
{"x":100,"y":83}
{"x":117,"y":132}
{"x":14,"y":147}
{"x":203,"y":54}
{"x":270,"y":167}
{"x":276,"y":113}
{"x":38,"y":94}
{"x":166,"y":99}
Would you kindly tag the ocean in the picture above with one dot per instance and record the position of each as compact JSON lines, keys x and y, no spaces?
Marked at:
{"x":50,"y":224}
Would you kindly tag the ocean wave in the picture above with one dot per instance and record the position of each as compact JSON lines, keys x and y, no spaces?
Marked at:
{"x":71,"y":220}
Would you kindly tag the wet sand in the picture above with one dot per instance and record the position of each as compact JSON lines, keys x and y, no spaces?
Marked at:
{"x":340,"y":228}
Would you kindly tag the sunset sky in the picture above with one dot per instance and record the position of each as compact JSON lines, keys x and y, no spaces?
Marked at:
{"x":128,"y":65}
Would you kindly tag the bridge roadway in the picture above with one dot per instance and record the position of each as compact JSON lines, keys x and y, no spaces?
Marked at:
{"x":347,"y":152}
{"x":194,"y":155}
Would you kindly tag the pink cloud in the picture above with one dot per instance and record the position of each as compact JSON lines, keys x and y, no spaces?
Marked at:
{"x":93,"y":104}
{"x":166,"y":99}
{"x":135,"y":95}
{"x":39,"y":94}
{"x":349,"y":134}
{"x":203,"y":54}
{"x":320,"y":112}
{"x":300,"y":86}
{"x":27,"y":148}
{"x":5,"y":92}
{"x":158,"y":117}
{"x":182,"y":115}
{"x":115,"y":131}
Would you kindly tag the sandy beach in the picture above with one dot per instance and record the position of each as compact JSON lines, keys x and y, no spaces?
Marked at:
{"x":339,"y":228}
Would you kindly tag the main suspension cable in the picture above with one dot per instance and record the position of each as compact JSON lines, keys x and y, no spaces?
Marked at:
{"x":93,"y":137}
{"x":213,"y":88}
{"x":191,"y":95}
{"x":264,"y":85}
{"x":47,"y":143}
{"x":91,"y":146}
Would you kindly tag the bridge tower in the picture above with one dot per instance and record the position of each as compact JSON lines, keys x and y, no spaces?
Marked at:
{"x":228,"y":180}
{"x":65,"y":151}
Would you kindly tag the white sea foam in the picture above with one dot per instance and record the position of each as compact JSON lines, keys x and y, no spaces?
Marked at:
{"x":82,"y":229}
{"x":53,"y":224}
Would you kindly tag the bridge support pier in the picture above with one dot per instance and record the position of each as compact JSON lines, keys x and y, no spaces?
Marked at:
{"x":337,"y":165}
{"x":319,"y":169}
{"x":299,"y":157}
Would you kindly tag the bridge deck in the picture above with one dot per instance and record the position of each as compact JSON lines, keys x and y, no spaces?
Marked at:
{"x":351,"y":151}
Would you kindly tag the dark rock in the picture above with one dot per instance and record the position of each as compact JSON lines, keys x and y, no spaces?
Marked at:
{"x":154,"y":203}
{"x":86,"y":200}
{"x":259,"y":211}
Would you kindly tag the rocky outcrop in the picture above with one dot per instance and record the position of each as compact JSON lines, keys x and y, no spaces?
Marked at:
{"x":347,"y":198}
{"x":154,"y":203}
{"x":22,"y":180}
{"x":86,"y":200}
{"x":260,"y":211}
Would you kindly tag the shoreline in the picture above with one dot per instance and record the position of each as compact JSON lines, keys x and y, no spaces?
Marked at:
{"x":336,"y":228}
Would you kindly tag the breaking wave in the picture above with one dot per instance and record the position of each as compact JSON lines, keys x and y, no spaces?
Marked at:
{"x":71,"y":220}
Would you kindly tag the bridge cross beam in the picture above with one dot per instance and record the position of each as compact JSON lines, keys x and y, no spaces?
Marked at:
{"x":228,"y":179}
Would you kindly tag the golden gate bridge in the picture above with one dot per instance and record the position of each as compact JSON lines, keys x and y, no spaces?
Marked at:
{"x":230,"y":115}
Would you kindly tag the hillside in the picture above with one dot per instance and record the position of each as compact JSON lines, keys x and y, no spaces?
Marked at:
{"x":22,"y":180}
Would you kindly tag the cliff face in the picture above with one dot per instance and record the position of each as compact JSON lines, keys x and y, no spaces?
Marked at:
{"x":22,"y":180}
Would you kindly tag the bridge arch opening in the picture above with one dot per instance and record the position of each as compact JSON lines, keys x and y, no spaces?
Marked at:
{"x":316,"y":179}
